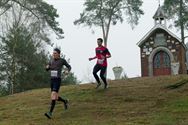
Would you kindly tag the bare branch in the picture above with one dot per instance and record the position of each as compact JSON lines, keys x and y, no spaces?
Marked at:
{"x":30,"y":10}
{"x":4,"y":11}
{"x":6,"y":8}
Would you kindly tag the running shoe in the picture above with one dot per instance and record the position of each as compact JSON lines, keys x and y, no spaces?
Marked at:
{"x":48,"y":115}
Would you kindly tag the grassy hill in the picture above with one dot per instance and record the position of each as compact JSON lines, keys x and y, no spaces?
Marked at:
{"x":137,"y":101}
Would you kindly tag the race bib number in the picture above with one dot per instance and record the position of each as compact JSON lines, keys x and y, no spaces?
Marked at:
{"x":53,"y":73}
{"x":100,"y":61}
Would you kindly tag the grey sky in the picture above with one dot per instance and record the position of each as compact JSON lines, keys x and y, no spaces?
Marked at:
{"x":79,"y":42}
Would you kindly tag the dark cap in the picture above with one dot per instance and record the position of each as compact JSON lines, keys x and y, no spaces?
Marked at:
{"x":57,"y":50}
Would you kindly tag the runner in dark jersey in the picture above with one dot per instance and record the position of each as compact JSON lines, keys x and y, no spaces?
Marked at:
{"x":55,"y":67}
{"x":102,"y":54}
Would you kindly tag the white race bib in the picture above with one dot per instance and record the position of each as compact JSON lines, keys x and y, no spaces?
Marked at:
{"x":100,"y":61}
{"x":53,"y":73}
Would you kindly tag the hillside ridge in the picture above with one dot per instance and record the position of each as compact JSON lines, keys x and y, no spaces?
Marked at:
{"x":134,"y":101}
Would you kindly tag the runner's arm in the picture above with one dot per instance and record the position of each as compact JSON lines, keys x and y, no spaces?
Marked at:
{"x":92,"y":58}
{"x":67,"y":65}
{"x":48,"y":66}
{"x":108,"y":54}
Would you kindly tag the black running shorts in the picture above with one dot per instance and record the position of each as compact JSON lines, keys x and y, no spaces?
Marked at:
{"x":55,"y":84}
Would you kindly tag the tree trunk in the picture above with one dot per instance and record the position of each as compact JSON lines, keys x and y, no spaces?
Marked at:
{"x":13,"y":79}
{"x":182,"y":35}
{"x":181,"y":21}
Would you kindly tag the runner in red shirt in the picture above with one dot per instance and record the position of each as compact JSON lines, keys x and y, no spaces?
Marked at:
{"x":102,"y":54}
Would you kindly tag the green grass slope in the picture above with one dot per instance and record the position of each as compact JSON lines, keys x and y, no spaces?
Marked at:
{"x":137,"y":101}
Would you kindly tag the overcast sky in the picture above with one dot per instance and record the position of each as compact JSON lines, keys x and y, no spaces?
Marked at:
{"x":79,"y":42}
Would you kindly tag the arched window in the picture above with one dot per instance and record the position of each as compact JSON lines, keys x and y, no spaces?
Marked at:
{"x":161,"y":64}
